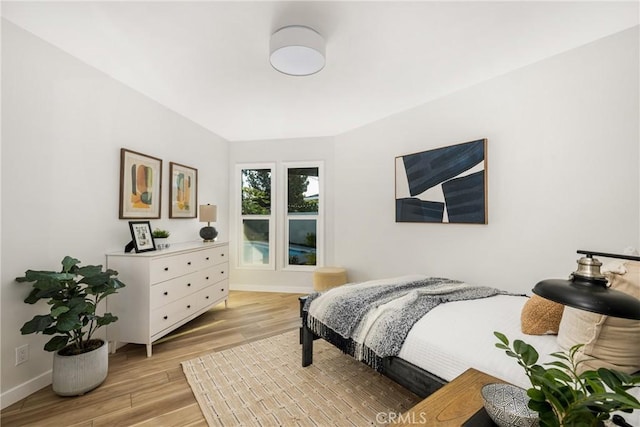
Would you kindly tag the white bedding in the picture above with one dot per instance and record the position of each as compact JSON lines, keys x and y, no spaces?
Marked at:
{"x":458,"y":335}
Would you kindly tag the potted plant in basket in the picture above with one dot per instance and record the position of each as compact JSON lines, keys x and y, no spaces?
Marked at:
{"x":564,"y":397}
{"x":80,"y":362}
{"x":161,"y":238}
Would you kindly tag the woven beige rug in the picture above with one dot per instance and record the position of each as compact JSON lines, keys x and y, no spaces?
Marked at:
{"x":263,"y":384}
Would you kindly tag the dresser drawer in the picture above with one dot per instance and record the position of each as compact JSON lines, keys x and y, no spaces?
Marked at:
{"x":165,"y":268}
{"x":166,"y":292}
{"x":213,"y":256}
{"x":168,"y":315}
{"x":211,"y":294}
{"x":219,"y":272}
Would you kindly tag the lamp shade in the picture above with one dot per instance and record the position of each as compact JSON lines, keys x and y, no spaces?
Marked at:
{"x":297,"y":50}
{"x":208,"y":213}
{"x":587,"y":290}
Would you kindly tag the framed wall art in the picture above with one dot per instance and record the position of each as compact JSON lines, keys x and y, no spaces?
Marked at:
{"x":141,"y":236}
{"x":444,"y":185}
{"x":183,"y":192}
{"x":140,"y":185}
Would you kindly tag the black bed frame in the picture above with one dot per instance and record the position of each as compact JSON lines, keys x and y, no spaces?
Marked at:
{"x":411,"y":377}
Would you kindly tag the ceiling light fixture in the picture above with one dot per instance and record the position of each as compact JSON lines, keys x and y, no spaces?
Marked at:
{"x":297,"y":50}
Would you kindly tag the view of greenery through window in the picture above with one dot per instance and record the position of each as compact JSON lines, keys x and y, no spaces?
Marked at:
{"x":302,"y":215}
{"x":256,"y":191}
{"x":302,"y":210}
{"x":256,"y":200}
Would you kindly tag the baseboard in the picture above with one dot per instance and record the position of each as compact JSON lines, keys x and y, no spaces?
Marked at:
{"x":23,"y":390}
{"x":272,"y":288}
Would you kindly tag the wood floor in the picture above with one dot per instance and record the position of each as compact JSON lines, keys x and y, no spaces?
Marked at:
{"x":153,"y":391}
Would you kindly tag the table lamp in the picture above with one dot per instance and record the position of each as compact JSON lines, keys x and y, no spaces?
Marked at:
{"x":587,"y":289}
{"x":208,"y":214}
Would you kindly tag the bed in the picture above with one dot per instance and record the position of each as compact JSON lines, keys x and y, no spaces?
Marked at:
{"x":436,"y":349}
{"x":449,"y":339}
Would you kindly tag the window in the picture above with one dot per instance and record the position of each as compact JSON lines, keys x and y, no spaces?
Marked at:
{"x":257,"y":224}
{"x":288,"y":234}
{"x":302,"y":215}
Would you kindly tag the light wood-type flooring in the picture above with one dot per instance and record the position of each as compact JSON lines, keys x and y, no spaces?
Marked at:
{"x":153,"y":391}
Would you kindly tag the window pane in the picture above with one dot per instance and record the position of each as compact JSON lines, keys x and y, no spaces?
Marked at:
{"x":302,"y":242}
{"x":256,"y":191}
{"x":255,"y":244}
{"x":302,"y":190}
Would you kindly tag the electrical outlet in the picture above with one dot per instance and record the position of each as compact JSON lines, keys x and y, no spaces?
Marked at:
{"x":22,"y":354}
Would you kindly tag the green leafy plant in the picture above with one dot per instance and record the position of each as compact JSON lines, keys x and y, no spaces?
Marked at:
{"x":564,"y":397}
{"x":160,"y":234}
{"x":73,"y":294}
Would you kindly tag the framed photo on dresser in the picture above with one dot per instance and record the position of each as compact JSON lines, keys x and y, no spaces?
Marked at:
{"x":141,"y":236}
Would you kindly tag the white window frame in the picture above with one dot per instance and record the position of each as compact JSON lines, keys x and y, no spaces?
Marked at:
{"x":273,"y":238}
{"x":319,"y":217}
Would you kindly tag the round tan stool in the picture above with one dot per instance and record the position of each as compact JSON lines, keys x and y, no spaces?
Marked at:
{"x":328,"y":277}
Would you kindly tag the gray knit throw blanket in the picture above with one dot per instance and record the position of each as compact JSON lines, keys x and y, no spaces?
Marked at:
{"x":371,"y":320}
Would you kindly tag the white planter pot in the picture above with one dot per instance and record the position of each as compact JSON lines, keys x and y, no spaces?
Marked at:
{"x":161,"y":242}
{"x":78,"y":374}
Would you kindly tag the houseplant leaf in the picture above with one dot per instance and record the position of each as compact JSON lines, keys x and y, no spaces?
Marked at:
{"x":38,"y":324}
{"x":56,"y":343}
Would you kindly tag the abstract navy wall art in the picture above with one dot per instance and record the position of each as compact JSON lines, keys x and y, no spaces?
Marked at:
{"x":444,"y":185}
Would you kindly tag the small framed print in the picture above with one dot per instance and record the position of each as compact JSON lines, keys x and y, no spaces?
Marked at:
{"x":141,"y":236}
{"x":140,"y":185}
{"x":183,"y":192}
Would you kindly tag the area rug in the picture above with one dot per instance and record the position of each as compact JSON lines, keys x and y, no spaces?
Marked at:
{"x":263,"y":384}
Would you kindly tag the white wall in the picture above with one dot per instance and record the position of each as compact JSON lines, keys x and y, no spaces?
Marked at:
{"x":279,"y":151}
{"x":63,"y":126}
{"x":563,"y":137}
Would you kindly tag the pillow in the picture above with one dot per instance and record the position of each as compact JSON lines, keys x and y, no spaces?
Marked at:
{"x":540,"y":316}
{"x":610,"y":342}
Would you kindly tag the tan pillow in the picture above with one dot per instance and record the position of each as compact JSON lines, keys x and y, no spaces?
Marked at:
{"x":610,"y":342}
{"x":540,"y":316}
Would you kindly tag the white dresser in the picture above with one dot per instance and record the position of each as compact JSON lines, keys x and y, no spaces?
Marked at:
{"x":165,"y":289}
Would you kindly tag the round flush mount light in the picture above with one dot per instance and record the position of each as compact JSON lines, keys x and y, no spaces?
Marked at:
{"x":297,"y":50}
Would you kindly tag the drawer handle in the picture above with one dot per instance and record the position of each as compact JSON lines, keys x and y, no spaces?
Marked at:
{"x":166,"y":269}
{"x":221,"y":254}
{"x":166,"y":293}
{"x":188,"y":284}
{"x":206,"y":278}
{"x":189,"y":263}
{"x":165,"y":317}
{"x":207,"y":258}
{"x":222,"y":289}
{"x":189,"y":306}
{"x":207,"y":297}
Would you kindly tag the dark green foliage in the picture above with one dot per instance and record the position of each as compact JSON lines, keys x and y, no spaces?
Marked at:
{"x":73,"y":295}
{"x":297,"y":184}
{"x":160,"y":234}
{"x":256,"y":192}
{"x":561,"y":396}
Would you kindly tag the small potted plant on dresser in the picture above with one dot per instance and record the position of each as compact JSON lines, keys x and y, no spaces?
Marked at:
{"x":161,"y":238}
{"x":80,"y":362}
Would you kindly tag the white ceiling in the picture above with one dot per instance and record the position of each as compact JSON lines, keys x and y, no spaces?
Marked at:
{"x":208,"y":60}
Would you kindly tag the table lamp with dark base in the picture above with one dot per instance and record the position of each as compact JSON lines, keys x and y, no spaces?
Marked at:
{"x":208,"y":214}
